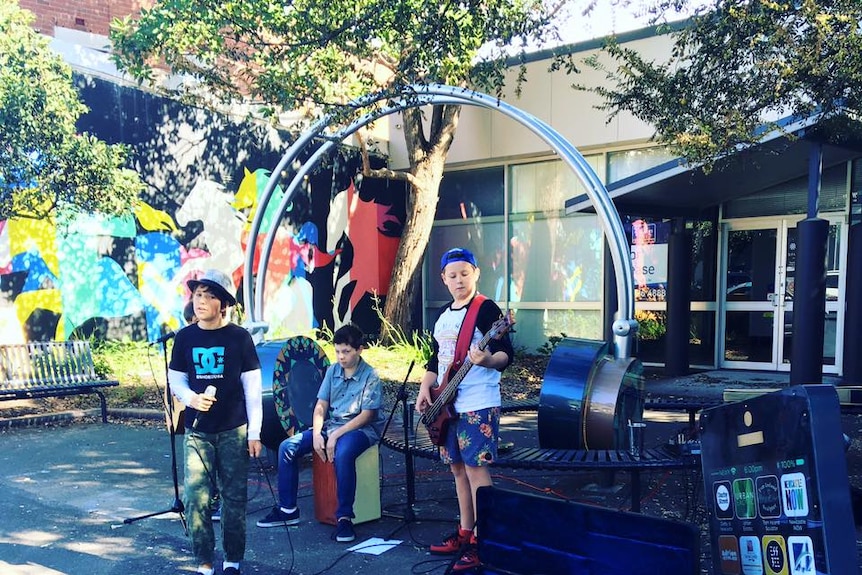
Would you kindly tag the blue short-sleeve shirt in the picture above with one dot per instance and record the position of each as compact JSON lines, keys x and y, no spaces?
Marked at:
{"x":348,"y":396}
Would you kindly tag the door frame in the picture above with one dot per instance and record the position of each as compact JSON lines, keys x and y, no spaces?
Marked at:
{"x":782,"y":225}
{"x":725,"y":306}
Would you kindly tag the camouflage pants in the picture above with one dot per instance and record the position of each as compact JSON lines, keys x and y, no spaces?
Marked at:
{"x":216,"y":461}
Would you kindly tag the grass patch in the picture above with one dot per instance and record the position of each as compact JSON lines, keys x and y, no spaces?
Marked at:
{"x":140,"y":368}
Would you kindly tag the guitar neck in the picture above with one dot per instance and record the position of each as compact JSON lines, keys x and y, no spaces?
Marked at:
{"x":452,"y":385}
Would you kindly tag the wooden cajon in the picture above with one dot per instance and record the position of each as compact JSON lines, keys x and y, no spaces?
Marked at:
{"x":366,"y":507}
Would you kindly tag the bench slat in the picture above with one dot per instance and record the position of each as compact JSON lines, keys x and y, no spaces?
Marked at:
{"x":564,"y":459}
{"x":50,"y":369}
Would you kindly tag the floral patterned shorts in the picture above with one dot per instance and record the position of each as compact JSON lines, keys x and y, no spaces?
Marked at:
{"x":472,"y":439}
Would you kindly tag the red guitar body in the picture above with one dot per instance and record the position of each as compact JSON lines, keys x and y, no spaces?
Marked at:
{"x":438,"y":427}
{"x":440,"y":414}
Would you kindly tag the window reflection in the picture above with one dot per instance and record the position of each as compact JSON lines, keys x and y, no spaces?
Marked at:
{"x":556,"y":260}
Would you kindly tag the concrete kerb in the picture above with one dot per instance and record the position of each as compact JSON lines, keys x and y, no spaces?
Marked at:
{"x":78,"y":415}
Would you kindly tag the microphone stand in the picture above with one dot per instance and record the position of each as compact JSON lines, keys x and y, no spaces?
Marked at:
{"x":177,"y":506}
{"x":409,"y":513}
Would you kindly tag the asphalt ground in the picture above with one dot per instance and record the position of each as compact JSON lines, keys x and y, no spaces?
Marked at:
{"x":68,"y":485}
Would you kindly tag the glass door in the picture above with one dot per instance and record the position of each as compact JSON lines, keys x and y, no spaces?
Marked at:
{"x":752,"y":295}
{"x":758,"y":295}
{"x":832,"y":330}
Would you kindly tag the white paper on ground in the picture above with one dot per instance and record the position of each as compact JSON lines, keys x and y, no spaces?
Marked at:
{"x":375,"y":545}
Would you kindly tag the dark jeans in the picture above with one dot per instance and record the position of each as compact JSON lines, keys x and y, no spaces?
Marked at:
{"x":349,"y":447}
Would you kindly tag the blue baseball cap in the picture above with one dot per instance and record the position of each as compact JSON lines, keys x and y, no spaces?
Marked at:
{"x":458,"y":255}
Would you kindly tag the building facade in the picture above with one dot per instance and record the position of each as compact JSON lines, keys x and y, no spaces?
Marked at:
{"x":543,"y":253}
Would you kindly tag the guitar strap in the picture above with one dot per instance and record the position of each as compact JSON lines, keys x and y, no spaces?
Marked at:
{"x":465,"y":334}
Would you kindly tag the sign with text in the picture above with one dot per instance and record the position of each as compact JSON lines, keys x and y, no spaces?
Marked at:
{"x":775,"y":508}
{"x":649,"y":259}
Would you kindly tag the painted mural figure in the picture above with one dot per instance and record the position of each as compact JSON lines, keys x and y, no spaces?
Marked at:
{"x":126,"y":276}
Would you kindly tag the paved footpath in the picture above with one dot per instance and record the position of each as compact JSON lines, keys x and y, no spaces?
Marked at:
{"x":66,"y":489}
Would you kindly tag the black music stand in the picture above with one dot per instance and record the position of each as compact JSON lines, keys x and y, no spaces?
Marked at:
{"x":177,"y":506}
{"x":409,"y":514}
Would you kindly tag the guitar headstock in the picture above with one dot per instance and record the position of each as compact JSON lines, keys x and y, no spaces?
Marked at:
{"x":502,"y":325}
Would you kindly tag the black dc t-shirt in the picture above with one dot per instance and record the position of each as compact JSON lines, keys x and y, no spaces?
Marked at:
{"x":216,"y":357}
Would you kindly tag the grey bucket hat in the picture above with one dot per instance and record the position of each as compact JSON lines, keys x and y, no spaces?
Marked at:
{"x":219,"y":282}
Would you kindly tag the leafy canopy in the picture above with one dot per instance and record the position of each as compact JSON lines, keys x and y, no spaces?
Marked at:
{"x":45,"y":165}
{"x":739,"y":67}
{"x":319,"y":55}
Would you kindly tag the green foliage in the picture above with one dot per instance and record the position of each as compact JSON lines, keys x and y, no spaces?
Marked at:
{"x":547,"y":348}
{"x":418,"y":346}
{"x":652,"y":325}
{"x":45,"y":165}
{"x":738,"y":64}
{"x":129,"y":361}
{"x":101,"y":365}
{"x":325,"y":54}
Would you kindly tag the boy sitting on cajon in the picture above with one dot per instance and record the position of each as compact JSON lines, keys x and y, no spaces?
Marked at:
{"x":346,"y":422}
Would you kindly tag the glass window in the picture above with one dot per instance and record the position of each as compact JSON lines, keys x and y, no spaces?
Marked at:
{"x":652,"y":329}
{"x":791,"y":197}
{"x":704,"y":242}
{"x":471,"y":194}
{"x":556,"y":259}
{"x":485,"y":240}
{"x":701,"y":339}
{"x":627,"y":163}
{"x":535,"y":326}
{"x":545,"y":186}
{"x":856,"y":193}
{"x":652,"y":337}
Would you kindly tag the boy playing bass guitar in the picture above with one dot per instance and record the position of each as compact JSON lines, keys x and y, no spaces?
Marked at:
{"x":473,"y":362}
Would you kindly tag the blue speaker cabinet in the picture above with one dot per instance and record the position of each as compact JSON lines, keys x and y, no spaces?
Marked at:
{"x":776,"y":485}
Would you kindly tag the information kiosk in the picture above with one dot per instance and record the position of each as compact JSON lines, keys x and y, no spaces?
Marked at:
{"x":776,"y":485}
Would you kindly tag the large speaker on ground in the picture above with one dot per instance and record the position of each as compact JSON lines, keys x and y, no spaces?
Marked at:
{"x":588,"y":396}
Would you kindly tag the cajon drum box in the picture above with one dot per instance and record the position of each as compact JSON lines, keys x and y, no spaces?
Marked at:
{"x":366,"y":507}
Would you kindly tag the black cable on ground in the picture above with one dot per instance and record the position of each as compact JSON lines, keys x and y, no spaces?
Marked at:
{"x":263,"y":471}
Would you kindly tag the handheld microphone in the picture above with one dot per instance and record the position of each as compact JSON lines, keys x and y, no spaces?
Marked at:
{"x":170,"y":335}
{"x":210,"y":391}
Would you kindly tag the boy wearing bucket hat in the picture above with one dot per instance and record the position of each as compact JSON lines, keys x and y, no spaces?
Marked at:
{"x":222,"y":430}
{"x":470,"y":441}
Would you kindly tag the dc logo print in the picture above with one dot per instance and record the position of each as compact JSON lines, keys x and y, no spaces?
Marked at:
{"x":208,"y":360}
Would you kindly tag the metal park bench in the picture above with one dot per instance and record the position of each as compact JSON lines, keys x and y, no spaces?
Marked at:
{"x":654,"y":459}
{"x":50,"y":369}
{"x":691,"y":405}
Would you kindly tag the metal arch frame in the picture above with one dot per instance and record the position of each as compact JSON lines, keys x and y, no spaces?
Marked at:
{"x":624,"y":327}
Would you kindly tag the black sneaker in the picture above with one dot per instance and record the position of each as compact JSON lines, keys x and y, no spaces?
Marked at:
{"x":231,"y":571}
{"x":278,"y":518}
{"x":344,"y":532}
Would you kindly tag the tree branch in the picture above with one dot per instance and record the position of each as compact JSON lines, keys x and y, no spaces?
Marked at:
{"x":384,"y":173}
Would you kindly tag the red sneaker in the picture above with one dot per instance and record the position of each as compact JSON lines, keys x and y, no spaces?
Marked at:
{"x":469,"y":559}
{"x":453,"y":543}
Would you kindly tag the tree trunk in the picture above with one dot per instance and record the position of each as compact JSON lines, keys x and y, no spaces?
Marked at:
{"x":427,"y":159}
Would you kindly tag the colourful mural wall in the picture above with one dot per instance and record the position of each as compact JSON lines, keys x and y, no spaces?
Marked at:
{"x":125,"y":277}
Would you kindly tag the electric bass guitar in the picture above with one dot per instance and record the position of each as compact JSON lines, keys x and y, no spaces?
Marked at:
{"x":441,"y":412}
